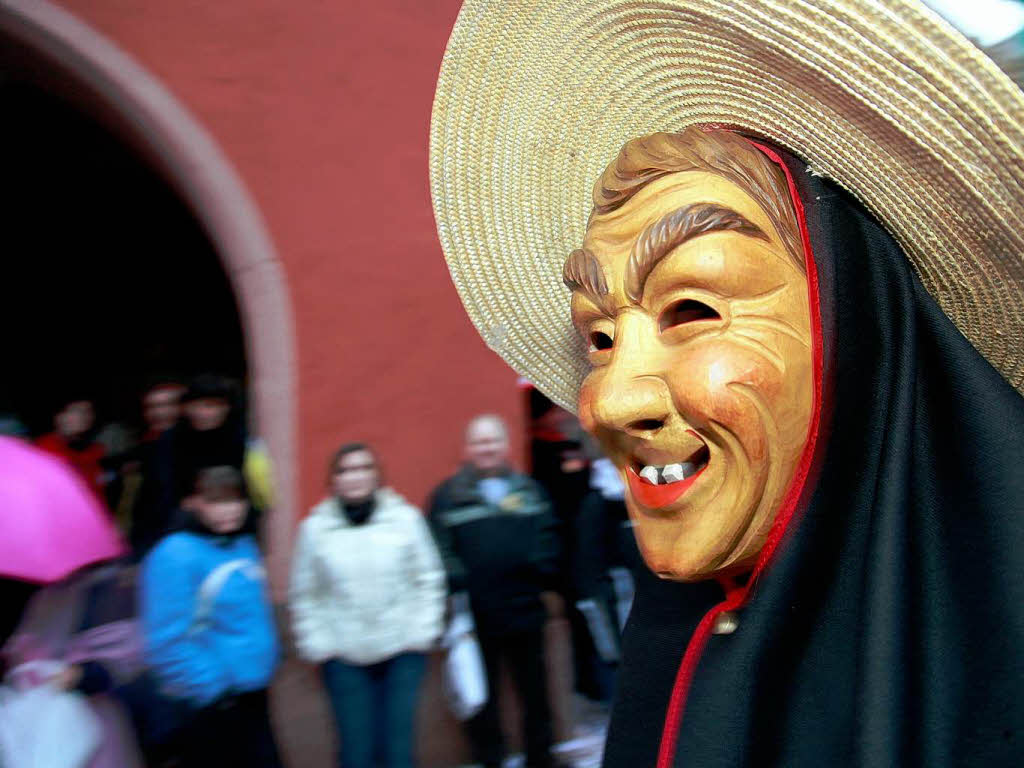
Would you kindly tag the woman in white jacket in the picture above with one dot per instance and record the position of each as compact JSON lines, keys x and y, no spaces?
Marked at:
{"x":367,"y":599}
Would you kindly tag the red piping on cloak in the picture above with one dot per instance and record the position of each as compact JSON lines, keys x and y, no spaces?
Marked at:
{"x":736,"y":595}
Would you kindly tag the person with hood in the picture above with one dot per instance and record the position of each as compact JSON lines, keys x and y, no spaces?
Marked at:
{"x":211,"y":433}
{"x":209,"y":631}
{"x":793,"y":321}
{"x":367,"y":598}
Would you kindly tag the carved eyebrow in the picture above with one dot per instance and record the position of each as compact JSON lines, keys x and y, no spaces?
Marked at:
{"x":582,"y":272}
{"x":675,"y":228}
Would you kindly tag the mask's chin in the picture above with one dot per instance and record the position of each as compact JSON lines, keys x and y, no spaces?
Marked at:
{"x":679,"y":569}
{"x":668,"y":555}
{"x":678,"y":555}
{"x":672,"y":568}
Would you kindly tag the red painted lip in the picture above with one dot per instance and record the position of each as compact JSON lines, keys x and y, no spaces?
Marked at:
{"x":658,"y":496}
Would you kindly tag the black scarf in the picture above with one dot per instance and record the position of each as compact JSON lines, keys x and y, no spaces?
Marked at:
{"x":358,"y":512}
{"x":888,"y":630}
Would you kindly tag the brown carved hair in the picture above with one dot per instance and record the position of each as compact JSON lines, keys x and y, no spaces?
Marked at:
{"x":582,"y":272}
{"x":712,"y":150}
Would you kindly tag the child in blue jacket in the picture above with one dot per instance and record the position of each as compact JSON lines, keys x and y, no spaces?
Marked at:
{"x":210,"y":637}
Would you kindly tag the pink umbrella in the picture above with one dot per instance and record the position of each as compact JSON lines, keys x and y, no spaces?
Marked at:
{"x":50,"y":522}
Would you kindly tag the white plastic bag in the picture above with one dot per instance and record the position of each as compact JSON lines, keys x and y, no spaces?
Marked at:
{"x":46,"y":727}
{"x":463,"y":675}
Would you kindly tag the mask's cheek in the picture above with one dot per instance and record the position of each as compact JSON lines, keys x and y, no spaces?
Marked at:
{"x":721,"y":388}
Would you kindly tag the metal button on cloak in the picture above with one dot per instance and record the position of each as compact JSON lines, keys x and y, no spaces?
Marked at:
{"x":726,"y":623}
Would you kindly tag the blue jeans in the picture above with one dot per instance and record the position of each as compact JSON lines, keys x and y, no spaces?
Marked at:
{"x":375,"y":709}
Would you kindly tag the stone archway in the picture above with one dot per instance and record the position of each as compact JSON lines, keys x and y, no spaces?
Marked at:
{"x":68,"y":56}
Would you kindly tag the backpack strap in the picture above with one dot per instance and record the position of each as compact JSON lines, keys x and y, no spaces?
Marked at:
{"x":214,"y":582}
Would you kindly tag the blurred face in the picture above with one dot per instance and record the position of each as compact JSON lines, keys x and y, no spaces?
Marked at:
{"x":487,"y":444}
{"x":207,"y":413}
{"x":355,"y":477}
{"x":223,"y":515}
{"x":161,"y":408}
{"x":75,"y":419}
{"x":701,"y":389}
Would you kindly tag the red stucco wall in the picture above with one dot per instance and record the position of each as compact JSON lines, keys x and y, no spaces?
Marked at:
{"x":324,"y":109}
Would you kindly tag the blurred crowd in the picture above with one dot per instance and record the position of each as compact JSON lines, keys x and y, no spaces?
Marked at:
{"x":174,"y":644}
{"x":143,"y":635}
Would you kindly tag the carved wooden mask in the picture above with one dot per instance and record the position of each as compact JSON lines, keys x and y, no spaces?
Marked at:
{"x":692,"y":293}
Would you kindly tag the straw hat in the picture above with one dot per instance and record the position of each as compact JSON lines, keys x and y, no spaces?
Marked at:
{"x":535,"y":97}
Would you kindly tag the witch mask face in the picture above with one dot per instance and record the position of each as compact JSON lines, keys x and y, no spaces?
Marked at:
{"x":697,"y":319}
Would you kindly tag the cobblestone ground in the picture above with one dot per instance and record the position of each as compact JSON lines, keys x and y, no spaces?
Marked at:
{"x":303,"y":725}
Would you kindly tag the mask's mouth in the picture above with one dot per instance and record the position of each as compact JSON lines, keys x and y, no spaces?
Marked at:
{"x":658,"y":485}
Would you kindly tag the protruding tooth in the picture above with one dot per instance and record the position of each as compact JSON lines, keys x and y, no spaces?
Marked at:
{"x":650,"y":474}
{"x":673,"y":473}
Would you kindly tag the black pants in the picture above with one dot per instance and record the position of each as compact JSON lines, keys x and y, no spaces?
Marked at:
{"x":235,"y":732}
{"x":524,"y":654}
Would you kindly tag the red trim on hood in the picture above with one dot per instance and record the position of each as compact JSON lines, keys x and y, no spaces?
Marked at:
{"x":737,"y":596}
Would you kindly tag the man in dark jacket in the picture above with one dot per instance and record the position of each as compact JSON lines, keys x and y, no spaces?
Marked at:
{"x":497,"y":536}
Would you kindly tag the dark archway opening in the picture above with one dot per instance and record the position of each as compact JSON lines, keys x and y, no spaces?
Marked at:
{"x":107,"y":278}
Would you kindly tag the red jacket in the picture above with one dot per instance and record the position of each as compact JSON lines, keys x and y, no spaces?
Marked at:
{"x":85,"y":462}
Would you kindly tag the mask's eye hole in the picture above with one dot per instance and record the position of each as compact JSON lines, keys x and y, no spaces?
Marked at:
{"x":599,"y":341}
{"x":686,"y":311}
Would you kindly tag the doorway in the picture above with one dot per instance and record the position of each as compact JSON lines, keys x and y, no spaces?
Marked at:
{"x":64,"y":65}
{"x":110,"y":281}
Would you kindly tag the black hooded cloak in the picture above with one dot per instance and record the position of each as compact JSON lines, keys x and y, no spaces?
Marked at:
{"x":887,"y":627}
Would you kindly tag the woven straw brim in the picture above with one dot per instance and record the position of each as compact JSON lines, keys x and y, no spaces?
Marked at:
{"x":535,"y":98}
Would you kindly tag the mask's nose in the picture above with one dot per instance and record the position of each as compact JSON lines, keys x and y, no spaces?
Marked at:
{"x":630,"y":396}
